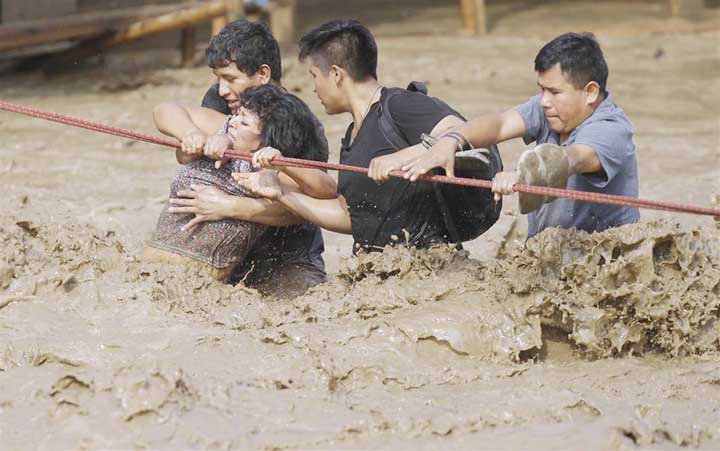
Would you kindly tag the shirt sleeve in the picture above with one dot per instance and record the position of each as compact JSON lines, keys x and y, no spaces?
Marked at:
{"x":612,"y":142}
{"x":534,"y":118}
{"x":415,"y":113}
{"x":214,"y":101}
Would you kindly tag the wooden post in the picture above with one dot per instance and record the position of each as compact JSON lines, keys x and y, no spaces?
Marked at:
{"x":474,"y":16}
{"x":689,"y":9}
{"x":282,"y":21}
{"x":235,"y":9}
{"x":467,"y":11}
{"x":481,"y":17}
{"x":187,"y":47}
{"x":218,"y":24}
{"x":675,"y":8}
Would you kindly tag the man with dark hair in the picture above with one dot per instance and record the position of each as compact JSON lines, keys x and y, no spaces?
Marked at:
{"x":245,"y":55}
{"x":584,"y":141}
{"x":342,"y":56}
{"x":242,"y":55}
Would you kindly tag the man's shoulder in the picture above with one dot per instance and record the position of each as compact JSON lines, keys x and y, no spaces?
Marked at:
{"x":609,"y":113}
{"x":214,"y":101}
{"x":400,"y":99}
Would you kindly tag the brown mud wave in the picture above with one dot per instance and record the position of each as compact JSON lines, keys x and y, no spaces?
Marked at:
{"x":632,"y":290}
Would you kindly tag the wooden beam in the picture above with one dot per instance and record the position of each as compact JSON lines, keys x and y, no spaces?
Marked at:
{"x":167,"y":22}
{"x":33,"y":37}
{"x":76,"y":27}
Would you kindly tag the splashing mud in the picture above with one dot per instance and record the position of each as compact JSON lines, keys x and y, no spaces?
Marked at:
{"x":636,"y":289}
{"x":91,"y":330}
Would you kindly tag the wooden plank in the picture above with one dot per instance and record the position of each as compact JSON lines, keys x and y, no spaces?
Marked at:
{"x":167,"y":22}
{"x":75,"y":27}
{"x":17,"y":10}
{"x":31,"y":38}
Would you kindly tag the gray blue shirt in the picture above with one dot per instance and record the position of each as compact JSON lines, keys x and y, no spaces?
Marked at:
{"x":609,"y":132}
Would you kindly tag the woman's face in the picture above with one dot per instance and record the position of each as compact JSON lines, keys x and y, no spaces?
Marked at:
{"x":244,"y":130}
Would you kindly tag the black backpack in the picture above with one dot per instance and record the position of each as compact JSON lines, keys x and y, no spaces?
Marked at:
{"x":467,"y":211}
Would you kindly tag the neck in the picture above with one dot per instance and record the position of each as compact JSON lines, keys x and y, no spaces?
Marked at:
{"x":591,"y":110}
{"x":360,"y":97}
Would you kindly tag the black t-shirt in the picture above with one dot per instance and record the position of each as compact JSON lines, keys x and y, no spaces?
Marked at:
{"x":395,"y":211}
{"x":301,"y":243}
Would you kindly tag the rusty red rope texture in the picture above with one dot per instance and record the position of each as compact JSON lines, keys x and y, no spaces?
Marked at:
{"x":296,"y":162}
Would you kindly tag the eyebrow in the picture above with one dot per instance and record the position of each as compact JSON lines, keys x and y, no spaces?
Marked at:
{"x":547,"y":87}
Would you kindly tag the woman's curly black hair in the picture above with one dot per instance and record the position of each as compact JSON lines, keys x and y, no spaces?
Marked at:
{"x":286,"y":123}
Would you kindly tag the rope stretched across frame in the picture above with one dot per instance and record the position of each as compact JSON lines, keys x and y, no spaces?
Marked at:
{"x":296,"y":162}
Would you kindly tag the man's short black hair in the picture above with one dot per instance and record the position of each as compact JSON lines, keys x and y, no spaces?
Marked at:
{"x":247,"y":44}
{"x":579,"y":56}
{"x":343,"y":43}
{"x":286,"y":123}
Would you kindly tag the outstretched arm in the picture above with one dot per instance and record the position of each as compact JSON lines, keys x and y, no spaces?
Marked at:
{"x":313,"y":182}
{"x":482,"y":131}
{"x":381,"y":167}
{"x":331,"y":214}
{"x":208,"y":203}
{"x":190,"y":125}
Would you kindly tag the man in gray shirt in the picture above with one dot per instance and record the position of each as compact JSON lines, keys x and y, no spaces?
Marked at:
{"x":573,"y":110}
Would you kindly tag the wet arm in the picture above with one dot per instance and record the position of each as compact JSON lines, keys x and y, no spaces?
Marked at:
{"x":313,"y":182}
{"x":262,"y":211}
{"x":583,"y":159}
{"x":330,"y":214}
{"x":177,"y":120}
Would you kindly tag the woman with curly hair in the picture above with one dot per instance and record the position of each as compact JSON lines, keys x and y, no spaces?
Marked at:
{"x":268,"y":116}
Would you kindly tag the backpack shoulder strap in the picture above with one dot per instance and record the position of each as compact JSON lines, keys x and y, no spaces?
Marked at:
{"x":392,"y":134}
{"x":388,"y":127}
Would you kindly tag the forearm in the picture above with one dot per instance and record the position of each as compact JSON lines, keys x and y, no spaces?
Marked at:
{"x":481,"y":131}
{"x":313,"y":182}
{"x":173,"y":120}
{"x":330,"y":214}
{"x":582,"y":159}
{"x":262,"y":211}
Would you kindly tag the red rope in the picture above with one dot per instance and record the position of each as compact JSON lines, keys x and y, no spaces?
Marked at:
{"x":296,"y":162}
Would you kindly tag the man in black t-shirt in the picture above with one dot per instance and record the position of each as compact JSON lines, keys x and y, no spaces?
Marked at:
{"x":343,"y":63}
{"x":245,"y":54}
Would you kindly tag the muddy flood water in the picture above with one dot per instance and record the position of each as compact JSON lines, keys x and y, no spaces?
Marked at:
{"x":569,"y":340}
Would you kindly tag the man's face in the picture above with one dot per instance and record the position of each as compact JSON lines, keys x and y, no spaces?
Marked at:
{"x":565,"y":106}
{"x":232,"y":82}
{"x":326,"y":88}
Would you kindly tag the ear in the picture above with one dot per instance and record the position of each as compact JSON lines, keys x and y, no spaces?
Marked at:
{"x":592,"y":92}
{"x":264,"y":74}
{"x":337,"y":74}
